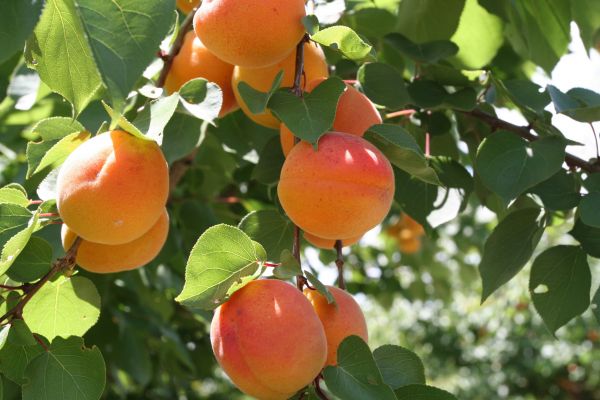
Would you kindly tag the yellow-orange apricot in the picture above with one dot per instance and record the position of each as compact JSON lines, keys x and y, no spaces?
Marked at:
{"x":410,"y":245}
{"x":355,"y":114}
{"x":269,"y":340}
{"x":186,"y":6}
{"x":113,"y":188}
{"x":195,"y":61}
{"x":250,"y":33}
{"x":262,"y":79}
{"x":106,"y":258}
{"x":340,"y":320}
{"x":328,"y":244}
{"x":341,"y":190}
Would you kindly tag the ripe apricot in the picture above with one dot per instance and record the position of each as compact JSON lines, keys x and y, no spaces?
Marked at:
{"x":195,"y":61}
{"x":355,"y":114}
{"x":113,"y":188}
{"x":341,"y":190}
{"x":340,"y":320}
{"x":328,"y":243}
{"x":186,"y":6}
{"x":269,"y":340}
{"x":262,"y":79}
{"x":409,"y":245}
{"x":250,"y":33}
{"x":105,"y":258}
{"x":407,"y":233}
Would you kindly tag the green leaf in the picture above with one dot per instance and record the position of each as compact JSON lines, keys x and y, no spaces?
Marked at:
{"x":399,"y":366}
{"x":311,"y":23}
{"x":596,"y":305}
{"x":222,"y":256}
{"x":402,"y":150}
{"x":17,"y":20}
{"x":289,"y":268}
{"x":588,"y":236}
{"x":58,"y":52}
{"x":67,"y":371}
{"x":344,"y":40}
{"x":34,"y":261}
{"x":586,"y":13}
{"x":13,"y":216}
{"x":202,"y":99}
{"x":414,"y":196}
{"x":256,"y":100}
{"x":453,"y":175}
{"x":65,"y":307}
{"x":311,"y":116}
{"x":271,"y":229}
{"x":427,"y":53}
{"x":384,"y":85}
{"x":155,"y":116}
{"x":422,"y":392}
{"x":356,"y":377}
{"x":124,"y":36}
{"x":181,"y":136}
{"x":427,"y":20}
{"x":119,"y":119}
{"x":526,"y":95}
{"x":560,"y":285}
{"x":15,"y":245}
{"x":508,"y":248}
{"x":559,"y":192}
{"x":589,"y":209}
{"x":509,"y":165}
{"x":268,"y":169}
{"x":580,"y":104}
{"x":319,"y":287}
{"x":427,"y":94}
{"x":12,"y":195}
{"x":17,"y":348}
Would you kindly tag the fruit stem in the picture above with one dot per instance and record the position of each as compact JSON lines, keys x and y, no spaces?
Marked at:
{"x":339,"y":262}
{"x":168,"y":59}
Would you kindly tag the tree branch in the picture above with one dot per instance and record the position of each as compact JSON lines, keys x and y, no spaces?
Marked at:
{"x":525,"y":133}
{"x":339,"y":262}
{"x":59,"y":266}
{"x":168,"y":59}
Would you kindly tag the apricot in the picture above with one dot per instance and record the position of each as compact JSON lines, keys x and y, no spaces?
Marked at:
{"x":113,"y":188}
{"x":105,"y":258}
{"x":195,"y":61}
{"x":355,"y":114}
{"x":409,"y":245}
{"x":340,"y":320}
{"x":187,"y":6}
{"x":341,"y":190}
{"x":250,"y":33}
{"x":269,"y":340}
{"x":262,"y":79}
{"x":328,"y":244}
{"x":407,"y":233}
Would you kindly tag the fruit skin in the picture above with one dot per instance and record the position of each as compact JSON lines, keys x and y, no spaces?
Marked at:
{"x":340,"y":320}
{"x":250,"y":33}
{"x":328,"y":244}
{"x":195,"y":61}
{"x":113,"y":188}
{"x":355,"y":114}
{"x":262,"y":79}
{"x":186,"y":6}
{"x":104,"y":258}
{"x":269,"y":340}
{"x":340,"y":191}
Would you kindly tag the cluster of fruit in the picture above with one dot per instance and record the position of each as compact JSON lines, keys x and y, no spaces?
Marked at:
{"x":111,"y":192}
{"x":408,"y":233}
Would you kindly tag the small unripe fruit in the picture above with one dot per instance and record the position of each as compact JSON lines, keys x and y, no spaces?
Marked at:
{"x":269,"y":340}
{"x":340,"y":320}
{"x":342,"y":190}
{"x":104,"y":258}
{"x":113,"y":188}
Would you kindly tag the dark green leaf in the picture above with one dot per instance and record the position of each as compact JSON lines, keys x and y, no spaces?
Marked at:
{"x":383,"y":84}
{"x":428,"y":20}
{"x":508,"y":248}
{"x":582,"y":105}
{"x":525,"y":94}
{"x":560,"y":285}
{"x":67,"y":371}
{"x":428,"y":53}
{"x":344,"y":40}
{"x":17,"y":348}
{"x":256,"y":100}
{"x":289,"y":267}
{"x":319,"y":286}
{"x":414,"y":196}
{"x":269,"y":165}
{"x":588,"y":236}
{"x":356,"y":377}
{"x":270,"y":229}
{"x":427,"y":94}
{"x":587,"y":15}
{"x":311,"y":23}
{"x":202,"y":99}
{"x":559,"y":192}
{"x":453,"y":175}
{"x":589,"y":209}
{"x":34,"y":261}
{"x":596,"y":305}
{"x":17,"y":20}
{"x":422,"y":392}
{"x":181,"y":136}
{"x":399,"y":366}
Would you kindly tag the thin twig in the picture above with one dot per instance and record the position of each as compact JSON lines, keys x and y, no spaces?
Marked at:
{"x":59,"y":266}
{"x":7,"y":287}
{"x":525,"y":133}
{"x":596,"y":140}
{"x":41,"y":342}
{"x":339,"y":262}
{"x":168,"y":59}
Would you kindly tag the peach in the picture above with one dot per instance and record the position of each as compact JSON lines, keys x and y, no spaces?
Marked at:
{"x":113,"y":188}
{"x":105,"y":258}
{"x":355,"y":114}
{"x":269,"y":340}
{"x":328,"y":243}
{"x":262,"y":79}
{"x":340,"y":320}
{"x":250,"y":33}
{"x":195,"y":61}
{"x":341,"y":190}
{"x":186,"y":6}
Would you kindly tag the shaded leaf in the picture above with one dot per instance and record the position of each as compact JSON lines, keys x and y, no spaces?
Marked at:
{"x":289,"y":267}
{"x":155,"y":116}
{"x":17,"y":348}
{"x":428,"y":52}
{"x":202,"y":99}
{"x":17,"y":20}
{"x":270,"y":229}
{"x":580,"y":104}
{"x":33,"y":262}
{"x":319,"y":286}
{"x":383,"y":84}
{"x":399,"y":366}
{"x":256,"y":100}
{"x":422,"y":392}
